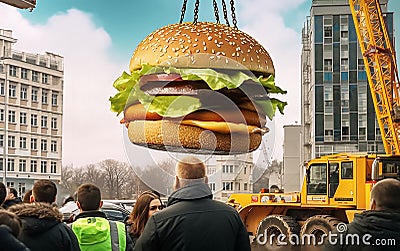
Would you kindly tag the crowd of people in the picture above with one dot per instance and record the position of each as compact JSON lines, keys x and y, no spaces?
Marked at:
{"x":191,"y":220}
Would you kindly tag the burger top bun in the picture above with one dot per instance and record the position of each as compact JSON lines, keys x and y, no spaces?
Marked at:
{"x":202,"y":45}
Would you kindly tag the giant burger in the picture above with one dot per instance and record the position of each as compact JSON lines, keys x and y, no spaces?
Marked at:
{"x":202,"y":88}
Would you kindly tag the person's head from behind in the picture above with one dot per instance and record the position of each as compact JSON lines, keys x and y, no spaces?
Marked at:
{"x":89,"y":197}
{"x":385,"y":195}
{"x":188,"y":170}
{"x":3,"y":192}
{"x":146,"y":205}
{"x":27,"y":196}
{"x":12,"y":221}
{"x":44,"y":191}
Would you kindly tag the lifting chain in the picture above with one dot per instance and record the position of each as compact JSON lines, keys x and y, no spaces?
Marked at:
{"x":216,"y":12}
{"x":196,"y":11}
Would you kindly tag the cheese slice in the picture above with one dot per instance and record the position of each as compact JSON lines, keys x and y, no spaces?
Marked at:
{"x":224,"y":127}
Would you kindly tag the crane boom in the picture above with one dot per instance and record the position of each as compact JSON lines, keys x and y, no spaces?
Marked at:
{"x":381,"y":69}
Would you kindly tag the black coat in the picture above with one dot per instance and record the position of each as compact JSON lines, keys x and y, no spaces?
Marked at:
{"x":43,"y":229}
{"x":193,"y":221}
{"x":9,"y":242}
{"x":377,"y":227}
{"x":9,"y":203}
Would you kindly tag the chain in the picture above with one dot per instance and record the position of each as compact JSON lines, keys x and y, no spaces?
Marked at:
{"x":216,"y":11}
{"x":183,"y":11}
{"x":234,"y":21}
{"x":225,"y":12}
{"x":196,"y":11}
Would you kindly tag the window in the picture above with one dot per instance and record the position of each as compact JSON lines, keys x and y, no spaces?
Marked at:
{"x":245,"y":186}
{"x":227,"y":168}
{"x":11,"y":141}
{"x":12,"y":91}
{"x":33,"y":119}
{"x":33,"y":166}
{"x":245,"y":170}
{"x":212,"y":186}
{"x":44,"y":96}
{"x":227,"y":186}
{"x":44,"y":122}
{"x":347,"y":170}
{"x":316,"y":179}
{"x":54,"y":123}
{"x":1,"y":115}
{"x":22,"y":188}
{"x":237,"y":185}
{"x":24,"y":92}
{"x":344,"y":36}
{"x":43,"y":166}
{"x":53,"y":167}
{"x":34,"y":95}
{"x":1,"y":164}
{"x":1,"y":140}
{"x":24,"y":73}
{"x":22,"y":118}
{"x":10,"y":184}
{"x":10,"y":165}
{"x":328,"y":31}
{"x":22,"y":165}
{"x":327,"y":64}
{"x":34,"y":144}
{"x":11,"y":116}
{"x":13,"y":70}
{"x":344,"y":66}
{"x":53,"y":146}
{"x":43,"y":145}
{"x":22,"y":142}
{"x":45,"y":78}
{"x":2,"y":88}
{"x":54,"y":99}
{"x":35,"y":76}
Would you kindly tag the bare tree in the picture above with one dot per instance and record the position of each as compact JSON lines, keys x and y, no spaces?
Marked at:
{"x":115,"y":176}
{"x":95,"y":175}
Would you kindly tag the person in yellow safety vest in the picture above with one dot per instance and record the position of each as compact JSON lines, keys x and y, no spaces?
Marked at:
{"x":93,"y":230}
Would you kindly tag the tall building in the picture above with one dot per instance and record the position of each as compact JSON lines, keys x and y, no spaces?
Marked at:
{"x":31,"y":109}
{"x":292,"y":165}
{"x":337,"y":109}
{"x":230,"y":174}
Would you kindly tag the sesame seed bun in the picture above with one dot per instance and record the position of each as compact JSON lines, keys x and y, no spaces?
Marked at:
{"x":172,"y":136}
{"x":202,"y":45}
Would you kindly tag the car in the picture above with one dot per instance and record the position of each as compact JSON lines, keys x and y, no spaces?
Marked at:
{"x":113,"y":212}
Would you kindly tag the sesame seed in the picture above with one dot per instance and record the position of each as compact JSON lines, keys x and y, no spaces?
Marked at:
{"x":205,"y":48}
{"x":194,"y":45}
{"x":209,"y":38}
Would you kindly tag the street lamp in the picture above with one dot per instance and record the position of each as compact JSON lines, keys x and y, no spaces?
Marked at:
{"x":5,"y":139}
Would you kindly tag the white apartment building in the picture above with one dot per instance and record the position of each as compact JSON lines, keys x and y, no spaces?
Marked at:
{"x":31,"y":108}
{"x":228,"y":174}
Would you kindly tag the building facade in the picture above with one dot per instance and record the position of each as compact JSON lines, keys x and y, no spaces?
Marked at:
{"x":31,"y":110}
{"x":337,"y":110}
{"x":230,"y":174}
{"x":292,"y":164}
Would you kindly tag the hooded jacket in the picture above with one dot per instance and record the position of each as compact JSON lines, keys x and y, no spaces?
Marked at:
{"x":9,"y":203}
{"x":380,"y":230}
{"x":9,"y":242}
{"x":95,"y":232}
{"x":43,"y":229}
{"x":193,"y":221}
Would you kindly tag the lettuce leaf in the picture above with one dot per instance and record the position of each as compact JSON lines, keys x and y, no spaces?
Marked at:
{"x":176,"y":106}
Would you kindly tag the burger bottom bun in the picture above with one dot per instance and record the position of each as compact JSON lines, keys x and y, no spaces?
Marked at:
{"x":172,"y":136}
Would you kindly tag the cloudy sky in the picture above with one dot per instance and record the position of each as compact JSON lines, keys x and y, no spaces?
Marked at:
{"x":97,"y":39}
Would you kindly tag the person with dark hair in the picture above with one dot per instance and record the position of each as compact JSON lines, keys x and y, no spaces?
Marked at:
{"x":93,"y":230}
{"x":42,"y":226}
{"x":27,"y":196}
{"x":147,"y":204}
{"x":10,"y":227}
{"x":381,"y":223}
{"x":44,"y":191}
{"x":12,"y":198}
{"x":192,"y":220}
{"x":3,"y":193}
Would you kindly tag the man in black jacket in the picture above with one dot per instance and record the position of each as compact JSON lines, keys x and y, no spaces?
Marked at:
{"x":3,"y":193}
{"x":192,"y":220}
{"x":42,"y":226}
{"x":377,"y":229}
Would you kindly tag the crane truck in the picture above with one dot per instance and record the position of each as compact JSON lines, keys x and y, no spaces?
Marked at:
{"x":338,"y":186}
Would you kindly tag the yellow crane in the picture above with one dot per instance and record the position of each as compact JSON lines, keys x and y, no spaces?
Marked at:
{"x":338,"y":186}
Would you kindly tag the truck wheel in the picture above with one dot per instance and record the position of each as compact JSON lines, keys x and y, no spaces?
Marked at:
{"x":315,"y":227}
{"x":276,"y":231}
